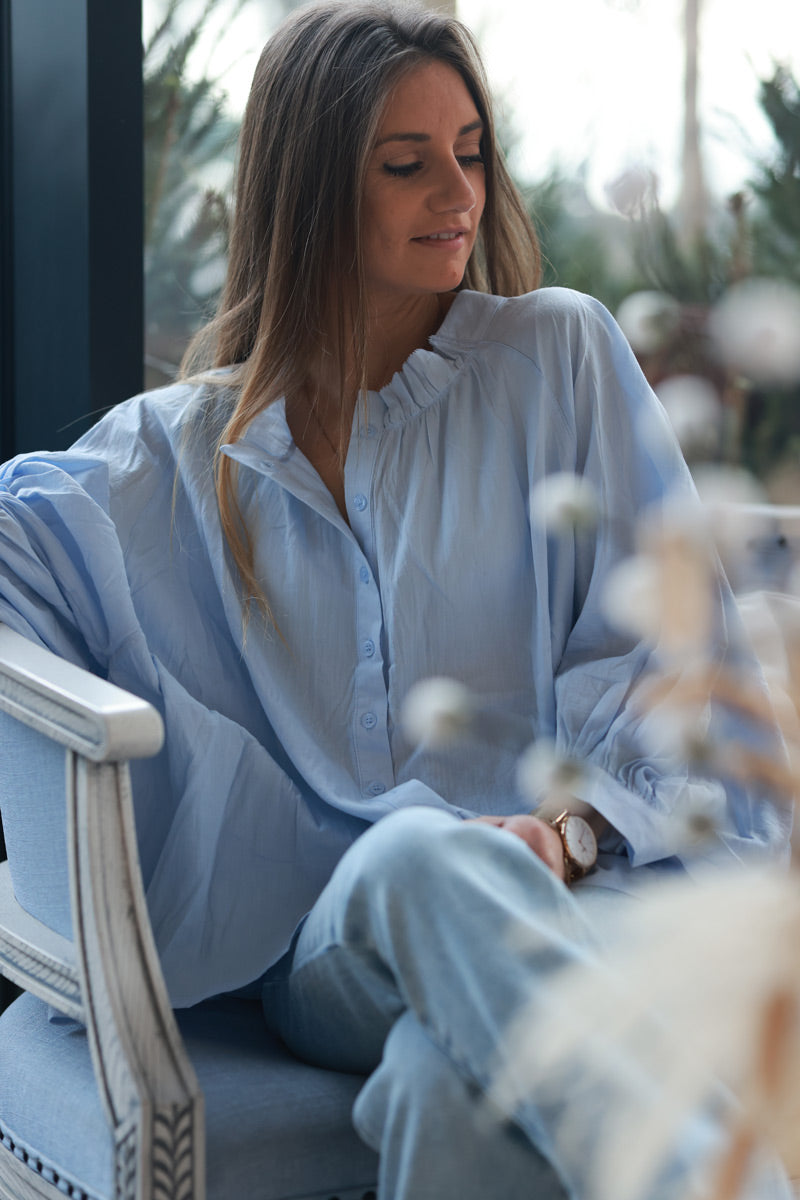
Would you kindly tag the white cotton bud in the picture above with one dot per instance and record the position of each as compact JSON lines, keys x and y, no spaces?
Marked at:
{"x":694,"y":412}
{"x":648,"y":320}
{"x":755,"y":328}
{"x":631,"y":597}
{"x":564,"y":503}
{"x":437,"y":711}
{"x":678,"y":731}
{"x":735,"y":510}
{"x":544,"y":775}
{"x":632,"y":190}
{"x":696,"y":820}
{"x":723,"y":488}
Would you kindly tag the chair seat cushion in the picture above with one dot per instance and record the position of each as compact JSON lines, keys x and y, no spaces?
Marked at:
{"x":275,"y":1128}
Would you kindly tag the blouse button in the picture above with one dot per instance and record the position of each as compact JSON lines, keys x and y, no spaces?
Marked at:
{"x":369,"y":648}
{"x":363,"y":575}
{"x":376,"y":788}
{"x":369,"y":720}
{"x":360,"y":501}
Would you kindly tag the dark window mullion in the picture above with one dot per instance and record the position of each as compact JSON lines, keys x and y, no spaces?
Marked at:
{"x":76,"y":215}
{"x":71,"y":290}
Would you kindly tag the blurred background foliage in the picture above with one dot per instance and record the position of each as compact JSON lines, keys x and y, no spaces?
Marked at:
{"x":189,"y":149}
{"x":776,"y":184}
{"x":634,"y":247}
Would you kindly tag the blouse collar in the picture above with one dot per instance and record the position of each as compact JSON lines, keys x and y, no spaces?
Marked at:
{"x":421,"y":380}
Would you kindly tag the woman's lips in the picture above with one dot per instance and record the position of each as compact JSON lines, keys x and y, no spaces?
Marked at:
{"x":446,"y":238}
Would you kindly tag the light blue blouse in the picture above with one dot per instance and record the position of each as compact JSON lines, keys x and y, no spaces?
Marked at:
{"x":282,"y":746}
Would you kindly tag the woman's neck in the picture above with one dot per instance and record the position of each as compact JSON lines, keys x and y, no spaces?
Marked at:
{"x":397,"y":329}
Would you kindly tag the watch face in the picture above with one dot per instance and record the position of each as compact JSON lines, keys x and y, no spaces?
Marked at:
{"x":580,"y":841}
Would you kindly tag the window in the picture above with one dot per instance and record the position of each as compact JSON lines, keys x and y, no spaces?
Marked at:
{"x":199,"y":59}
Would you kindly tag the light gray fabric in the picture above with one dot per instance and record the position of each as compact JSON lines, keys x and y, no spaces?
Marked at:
{"x":276,"y":1128}
{"x":33,"y":810}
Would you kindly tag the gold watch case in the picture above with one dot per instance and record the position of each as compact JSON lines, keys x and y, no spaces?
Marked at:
{"x":579,"y":844}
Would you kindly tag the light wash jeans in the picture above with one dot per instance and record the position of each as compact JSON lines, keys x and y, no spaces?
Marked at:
{"x":404,"y":970}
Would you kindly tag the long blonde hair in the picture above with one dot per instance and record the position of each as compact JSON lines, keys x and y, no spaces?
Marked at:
{"x":295,"y":262}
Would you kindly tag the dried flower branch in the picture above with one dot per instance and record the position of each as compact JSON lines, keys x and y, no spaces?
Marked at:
{"x":700,"y":989}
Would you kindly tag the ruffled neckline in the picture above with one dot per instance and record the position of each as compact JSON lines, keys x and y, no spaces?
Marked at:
{"x":428,"y":371}
{"x":423,"y":377}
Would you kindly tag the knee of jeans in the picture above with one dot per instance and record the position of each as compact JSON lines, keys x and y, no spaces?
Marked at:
{"x":406,"y":845}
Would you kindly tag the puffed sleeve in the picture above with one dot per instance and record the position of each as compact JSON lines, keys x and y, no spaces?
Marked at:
{"x":234,"y":849}
{"x":624,"y":448}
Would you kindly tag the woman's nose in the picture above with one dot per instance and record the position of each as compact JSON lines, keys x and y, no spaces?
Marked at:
{"x":453,"y":191}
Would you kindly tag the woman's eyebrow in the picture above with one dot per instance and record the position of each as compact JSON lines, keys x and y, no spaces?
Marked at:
{"x":426,"y":137}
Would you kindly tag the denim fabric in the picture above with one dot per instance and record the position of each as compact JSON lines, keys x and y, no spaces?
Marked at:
{"x":430,"y":937}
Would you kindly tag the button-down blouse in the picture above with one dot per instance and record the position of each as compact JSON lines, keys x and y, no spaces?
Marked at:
{"x":284,"y":742}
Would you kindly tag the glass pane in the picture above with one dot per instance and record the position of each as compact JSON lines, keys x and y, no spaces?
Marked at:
{"x":199,"y":58}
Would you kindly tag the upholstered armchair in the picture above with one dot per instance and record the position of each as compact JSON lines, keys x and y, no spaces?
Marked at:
{"x":104,"y":1090}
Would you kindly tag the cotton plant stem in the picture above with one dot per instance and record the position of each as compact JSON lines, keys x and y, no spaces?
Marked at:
{"x":684,"y":576}
{"x":770,"y":1082}
{"x":748,"y":766}
{"x":774,"y":1070}
{"x":752,"y":703}
{"x":793,"y":694}
{"x":734,"y":1166}
{"x":780,"y":1019}
{"x":699,"y":686}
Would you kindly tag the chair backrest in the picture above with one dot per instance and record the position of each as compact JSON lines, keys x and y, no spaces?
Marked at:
{"x":47,"y":708}
{"x":32,"y":807}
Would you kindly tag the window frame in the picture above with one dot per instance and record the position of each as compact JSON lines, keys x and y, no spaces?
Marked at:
{"x":71,"y":286}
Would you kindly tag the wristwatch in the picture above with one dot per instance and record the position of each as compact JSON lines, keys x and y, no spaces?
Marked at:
{"x":579,"y":844}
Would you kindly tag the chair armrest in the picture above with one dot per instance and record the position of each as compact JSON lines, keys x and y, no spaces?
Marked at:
{"x":68,"y":704}
{"x":146,"y":1082}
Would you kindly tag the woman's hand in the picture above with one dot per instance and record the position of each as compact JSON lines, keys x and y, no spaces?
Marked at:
{"x":538,"y":836}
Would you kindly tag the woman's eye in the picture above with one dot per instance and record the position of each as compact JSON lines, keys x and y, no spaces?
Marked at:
{"x":405,"y":170}
{"x":402,"y":170}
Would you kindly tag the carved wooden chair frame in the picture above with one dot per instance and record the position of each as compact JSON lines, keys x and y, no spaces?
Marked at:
{"x":109,"y":977}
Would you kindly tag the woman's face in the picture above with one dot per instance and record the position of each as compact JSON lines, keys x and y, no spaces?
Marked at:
{"x":425,"y":187}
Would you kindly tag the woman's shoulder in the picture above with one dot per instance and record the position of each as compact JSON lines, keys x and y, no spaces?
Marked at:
{"x":154,"y":436}
{"x":139,"y":446}
{"x":164,"y":417}
{"x":549,"y":317}
{"x":539,"y":324}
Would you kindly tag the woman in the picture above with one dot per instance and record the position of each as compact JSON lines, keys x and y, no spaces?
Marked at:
{"x":275,"y":553}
